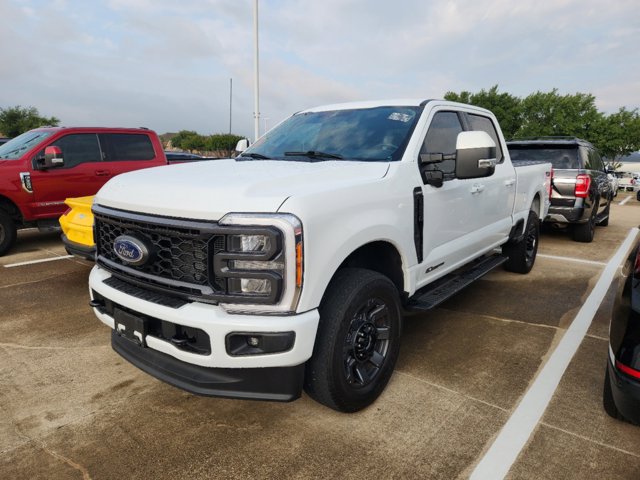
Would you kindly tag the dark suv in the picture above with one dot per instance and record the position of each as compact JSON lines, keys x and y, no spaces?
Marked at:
{"x":581,"y":194}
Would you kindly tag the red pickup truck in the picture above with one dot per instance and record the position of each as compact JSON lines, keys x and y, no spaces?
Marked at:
{"x":41,"y":168}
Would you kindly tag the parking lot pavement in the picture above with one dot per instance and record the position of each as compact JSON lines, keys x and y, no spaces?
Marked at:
{"x":74,"y":409}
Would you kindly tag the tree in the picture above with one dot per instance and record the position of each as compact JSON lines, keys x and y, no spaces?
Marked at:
{"x":222,"y":142}
{"x":17,"y":120}
{"x":182,"y":138}
{"x":618,"y":135}
{"x":548,"y":113}
{"x":506,"y":107}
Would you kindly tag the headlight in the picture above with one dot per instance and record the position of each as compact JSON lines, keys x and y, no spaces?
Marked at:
{"x":262,"y":263}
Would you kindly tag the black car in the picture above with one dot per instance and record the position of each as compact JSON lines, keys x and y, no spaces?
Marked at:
{"x":4,"y":140}
{"x":183,"y":157}
{"x":581,"y":194}
{"x":621,"y":396}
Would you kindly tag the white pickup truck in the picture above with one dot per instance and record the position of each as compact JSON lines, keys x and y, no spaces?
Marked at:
{"x":290,"y":266}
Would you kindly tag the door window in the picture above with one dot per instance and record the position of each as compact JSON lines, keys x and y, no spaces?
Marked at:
{"x":441,"y":139}
{"x":78,"y":148}
{"x":126,"y":147}
{"x":484,"y":124}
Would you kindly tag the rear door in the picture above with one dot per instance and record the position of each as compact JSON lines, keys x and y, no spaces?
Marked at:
{"x":498,"y":195}
{"x":79,"y":177}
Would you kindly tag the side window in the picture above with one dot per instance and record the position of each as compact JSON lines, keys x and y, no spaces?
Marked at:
{"x":586,"y":157}
{"x":484,"y":124}
{"x":126,"y":147}
{"x":441,"y":138}
{"x":597,"y":161}
{"x":78,"y":148}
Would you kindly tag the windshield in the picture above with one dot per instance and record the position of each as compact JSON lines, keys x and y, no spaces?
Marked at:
{"x":367,"y":134}
{"x":14,"y":148}
{"x":559,"y":157}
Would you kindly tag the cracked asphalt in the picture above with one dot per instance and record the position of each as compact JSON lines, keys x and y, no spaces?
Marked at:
{"x":72,"y":408}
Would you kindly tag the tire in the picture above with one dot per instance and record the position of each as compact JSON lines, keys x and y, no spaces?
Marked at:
{"x":358,"y":340}
{"x":608,"y":402}
{"x":522,"y":254}
{"x":605,"y":222}
{"x":7,"y":232}
{"x":584,"y":232}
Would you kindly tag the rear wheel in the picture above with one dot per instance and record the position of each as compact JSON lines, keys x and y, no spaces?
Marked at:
{"x":607,"y":398}
{"x":7,"y":232}
{"x":584,"y":232}
{"x":522,"y":254}
{"x":358,"y":341}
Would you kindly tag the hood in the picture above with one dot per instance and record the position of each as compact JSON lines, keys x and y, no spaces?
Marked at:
{"x":209,"y":190}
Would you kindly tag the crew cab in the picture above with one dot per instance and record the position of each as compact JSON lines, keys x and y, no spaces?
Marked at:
{"x":41,"y":168}
{"x":582,"y":193}
{"x":291,"y":265}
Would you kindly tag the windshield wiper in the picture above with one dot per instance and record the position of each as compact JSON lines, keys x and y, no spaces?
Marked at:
{"x":313,"y":154}
{"x":257,"y":156}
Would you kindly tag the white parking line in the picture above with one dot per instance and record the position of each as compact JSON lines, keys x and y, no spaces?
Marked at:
{"x":505,"y":449}
{"x":575,"y":260}
{"x":624,"y":201}
{"x":32,"y":262}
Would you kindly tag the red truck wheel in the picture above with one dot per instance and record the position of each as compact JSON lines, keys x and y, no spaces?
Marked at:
{"x":7,"y":232}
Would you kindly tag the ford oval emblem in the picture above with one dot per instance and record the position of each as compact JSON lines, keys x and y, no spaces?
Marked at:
{"x":130,"y":250}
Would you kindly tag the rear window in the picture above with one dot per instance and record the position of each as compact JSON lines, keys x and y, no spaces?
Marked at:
{"x":126,"y":147}
{"x":560,"y":158}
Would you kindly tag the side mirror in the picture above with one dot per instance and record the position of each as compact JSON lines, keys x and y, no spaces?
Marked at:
{"x":242,"y":145}
{"x":53,"y":157}
{"x":475,"y":155}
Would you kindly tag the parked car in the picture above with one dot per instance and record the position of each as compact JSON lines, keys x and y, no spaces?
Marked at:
{"x":4,"y":140}
{"x":629,"y":181}
{"x":41,"y":168}
{"x":182,"y":157}
{"x":291,"y":264}
{"x":77,"y":228}
{"x":615,"y":183}
{"x":582,"y":193}
{"x":621,"y":395}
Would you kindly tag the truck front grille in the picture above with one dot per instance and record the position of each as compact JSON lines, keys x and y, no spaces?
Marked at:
{"x":180,"y":251}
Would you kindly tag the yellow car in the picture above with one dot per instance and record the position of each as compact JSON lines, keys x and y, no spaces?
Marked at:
{"x":77,"y":228}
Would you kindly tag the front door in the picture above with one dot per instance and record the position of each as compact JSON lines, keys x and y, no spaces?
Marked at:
{"x":80,"y":176}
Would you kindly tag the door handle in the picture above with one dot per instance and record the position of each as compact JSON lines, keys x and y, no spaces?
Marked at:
{"x":509,"y":183}
{"x":477,"y":188}
{"x":103,"y":173}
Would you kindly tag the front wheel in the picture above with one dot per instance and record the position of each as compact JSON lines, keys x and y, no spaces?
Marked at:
{"x":358,"y":340}
{"x":7,"y":232}
{"x":522,"y":255}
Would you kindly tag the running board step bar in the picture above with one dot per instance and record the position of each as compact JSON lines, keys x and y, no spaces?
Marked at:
{"x":443,"y":289}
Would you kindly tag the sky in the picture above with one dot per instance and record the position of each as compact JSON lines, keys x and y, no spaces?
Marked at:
{"x":167,"y":64}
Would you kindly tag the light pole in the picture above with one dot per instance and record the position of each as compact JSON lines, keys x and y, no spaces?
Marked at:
{"x":256,"y":80}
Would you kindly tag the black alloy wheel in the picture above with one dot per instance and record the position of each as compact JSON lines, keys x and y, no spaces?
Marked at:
{"x":522,"y":255}
{"x":357,"y":342}
{"x":366,"y":344}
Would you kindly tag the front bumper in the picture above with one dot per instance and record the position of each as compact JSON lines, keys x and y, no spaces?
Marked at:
{"x":217,"y":373}
{"x":79,"y":250}
{"x":626,"y":394}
